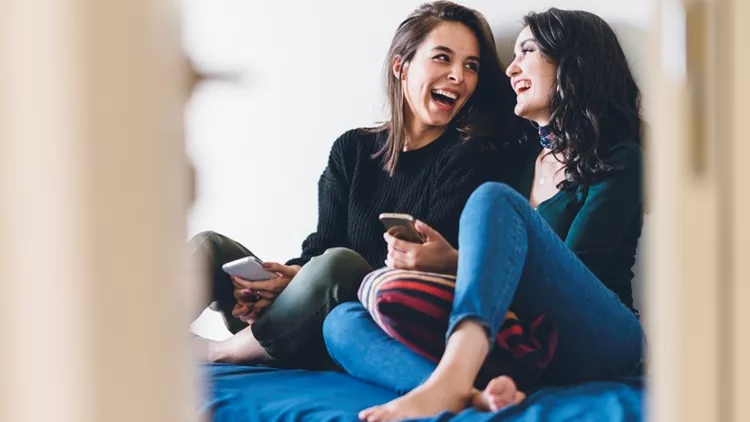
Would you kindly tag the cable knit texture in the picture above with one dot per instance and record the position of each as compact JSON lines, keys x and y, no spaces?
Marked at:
{"x":431,"y":183}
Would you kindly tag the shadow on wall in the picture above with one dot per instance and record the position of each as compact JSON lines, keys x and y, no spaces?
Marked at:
{"x":634,"y":41}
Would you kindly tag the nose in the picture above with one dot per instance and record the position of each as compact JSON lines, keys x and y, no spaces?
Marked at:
{"x":513,"y":69}
{"x":457,"y":74}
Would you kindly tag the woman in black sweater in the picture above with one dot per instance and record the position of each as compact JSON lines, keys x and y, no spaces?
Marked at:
{"x":447,"y":95}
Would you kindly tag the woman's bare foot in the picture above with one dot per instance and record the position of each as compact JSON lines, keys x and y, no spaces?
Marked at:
{"x":499,"y":393}
{"x":240,"y":348}
{"x":205,"y":349}
{"x":428,"y":399}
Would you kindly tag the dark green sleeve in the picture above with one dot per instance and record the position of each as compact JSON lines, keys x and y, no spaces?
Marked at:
{"x":609,"y":209}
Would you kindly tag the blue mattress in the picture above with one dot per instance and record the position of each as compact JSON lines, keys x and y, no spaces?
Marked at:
{"x":248,"y":393}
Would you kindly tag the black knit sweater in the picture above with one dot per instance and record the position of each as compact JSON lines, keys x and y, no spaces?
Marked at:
{"x":431,"y":183}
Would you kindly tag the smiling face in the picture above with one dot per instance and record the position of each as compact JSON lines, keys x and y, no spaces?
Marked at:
{"x":533,"y":78}
{"x":441,"y":77}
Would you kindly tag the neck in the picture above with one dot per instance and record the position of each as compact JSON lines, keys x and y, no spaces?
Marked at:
{"x":419,"y":135}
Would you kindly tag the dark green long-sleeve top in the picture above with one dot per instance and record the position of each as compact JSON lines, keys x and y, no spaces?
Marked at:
{"x":600,"y":223}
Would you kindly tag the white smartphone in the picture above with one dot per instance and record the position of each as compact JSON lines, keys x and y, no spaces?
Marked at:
{"x":402,"y":227}
{"x":250,"y":268}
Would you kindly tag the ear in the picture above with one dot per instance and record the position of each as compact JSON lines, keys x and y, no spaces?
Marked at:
{"x":399,"y":68}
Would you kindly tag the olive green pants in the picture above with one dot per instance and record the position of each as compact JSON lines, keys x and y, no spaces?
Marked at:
{"x":290,"y":330}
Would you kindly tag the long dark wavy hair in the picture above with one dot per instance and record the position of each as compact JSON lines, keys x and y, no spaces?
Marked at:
{"x":487,"y":116}
{"x":596,"y":102}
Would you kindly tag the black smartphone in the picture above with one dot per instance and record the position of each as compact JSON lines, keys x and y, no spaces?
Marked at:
{"x":401,"y":226}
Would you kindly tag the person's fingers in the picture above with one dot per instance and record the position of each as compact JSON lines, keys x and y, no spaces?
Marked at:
{"x":399,"y":244}
{"x":282,"y":269}
{"x":247,"y":295}
{"x":400,"y":256}
{"x":258,"y":308}
{"x":400,"y":261}
{"x":272,"y":285}
{"x":239,"y":283}
{"x":262,"y":305}
{"x":428,"y":232}
{"x":239,"y":311}
{"x":250,"y":318}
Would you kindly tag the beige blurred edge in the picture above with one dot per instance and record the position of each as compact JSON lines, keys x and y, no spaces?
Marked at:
{"x":94,"y":189}
{"x":94,"y":192}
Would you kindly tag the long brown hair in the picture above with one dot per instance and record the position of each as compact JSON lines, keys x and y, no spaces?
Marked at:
{"x":487,"y":114}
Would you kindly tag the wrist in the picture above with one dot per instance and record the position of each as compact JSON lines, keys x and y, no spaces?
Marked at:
{"x":453,"y":260}
{"x":217,"y":352}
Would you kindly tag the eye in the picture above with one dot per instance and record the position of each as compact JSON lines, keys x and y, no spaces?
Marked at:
{"x":473,"y":66}
{"x":525,"y":51}
{"x":442,"y":58}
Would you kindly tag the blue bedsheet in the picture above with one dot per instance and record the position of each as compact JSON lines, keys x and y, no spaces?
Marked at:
{"x":247,"y":394}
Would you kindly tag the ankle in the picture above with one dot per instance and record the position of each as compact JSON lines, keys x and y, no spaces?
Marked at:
{"x":218,"y":352}
{"x":454,"y":383}
{"x":477,"y":401}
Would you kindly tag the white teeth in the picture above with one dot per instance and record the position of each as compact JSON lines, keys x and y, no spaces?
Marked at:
{"x":446,"y":93}
{"x":523,"y":85}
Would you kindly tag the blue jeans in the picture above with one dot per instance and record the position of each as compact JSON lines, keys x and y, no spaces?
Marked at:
{"x":508,"y":254}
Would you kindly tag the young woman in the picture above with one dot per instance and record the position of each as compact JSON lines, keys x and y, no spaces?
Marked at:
{"x":564,"y":248}
{"x":447,"y":93}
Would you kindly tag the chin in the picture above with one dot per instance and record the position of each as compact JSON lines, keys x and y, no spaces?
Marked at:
{"x":438,"y":121}
{"x":520,"y":111}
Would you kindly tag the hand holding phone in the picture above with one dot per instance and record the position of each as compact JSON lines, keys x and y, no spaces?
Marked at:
{"x":248,"y":268}
{"x":401,"y":226}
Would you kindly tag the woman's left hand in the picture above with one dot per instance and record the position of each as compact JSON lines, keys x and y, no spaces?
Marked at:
{"x":434,"y":255}
{"x":253,"y":297}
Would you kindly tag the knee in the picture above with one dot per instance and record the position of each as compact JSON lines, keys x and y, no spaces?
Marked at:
{"x":490,"y":196}
{"x":203,"y":237}
{"x":492,"y":192}
{"x":338,"y":267}
{"x":340,"y":324}
{"x":341,"y":256}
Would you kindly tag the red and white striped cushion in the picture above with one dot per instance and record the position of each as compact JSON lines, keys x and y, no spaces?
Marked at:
{"x":413,"y":307}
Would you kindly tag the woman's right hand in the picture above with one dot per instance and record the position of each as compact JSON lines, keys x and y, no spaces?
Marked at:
{"x":434,"y":255}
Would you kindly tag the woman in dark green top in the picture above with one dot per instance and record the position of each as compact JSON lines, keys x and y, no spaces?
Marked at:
{"x":562,"y":247}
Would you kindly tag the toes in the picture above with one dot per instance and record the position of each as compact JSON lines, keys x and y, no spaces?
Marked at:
{"x":502,"y":386}
{"x":501,"y":402}
{"x":374,"y":414}
{"x":506,"y":382}
{"x":501,"y":392}
{"x":365,"y":414}
{"x":496,"y":387}
{"x":380,"y":414}
{"x":496,"y":404}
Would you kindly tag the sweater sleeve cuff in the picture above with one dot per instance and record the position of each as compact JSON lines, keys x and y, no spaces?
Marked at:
{"x":301,"y":261}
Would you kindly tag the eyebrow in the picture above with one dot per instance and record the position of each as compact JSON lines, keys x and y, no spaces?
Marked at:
{"x":523,"y":43}
{"x":451,"y":52}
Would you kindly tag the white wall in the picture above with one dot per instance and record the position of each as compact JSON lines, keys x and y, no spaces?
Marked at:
{"x":311,"y":70}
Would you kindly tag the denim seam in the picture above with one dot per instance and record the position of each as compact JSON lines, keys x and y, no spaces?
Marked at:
{"x":505,"y":288}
